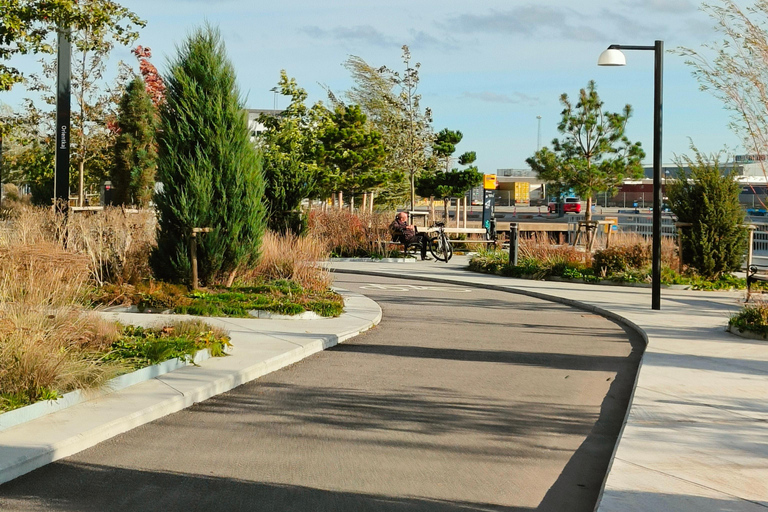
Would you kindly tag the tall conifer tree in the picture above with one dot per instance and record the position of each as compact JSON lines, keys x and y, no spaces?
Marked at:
{"x":133,"y":174}
{"x":210,"y":171}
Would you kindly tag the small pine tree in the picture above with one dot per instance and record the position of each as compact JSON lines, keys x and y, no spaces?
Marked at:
{"x":708,"y":199}
{"x":135,"y":152}
{"x":210,"y":171}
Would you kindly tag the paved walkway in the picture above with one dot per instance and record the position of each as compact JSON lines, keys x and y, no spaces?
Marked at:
{"x":695,"y":439}
{"x":696,"y":435}
{"x":259,"y":347}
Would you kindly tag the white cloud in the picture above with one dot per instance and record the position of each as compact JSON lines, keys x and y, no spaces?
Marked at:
{"x":492,"y":97}
{"x":357,"y":34}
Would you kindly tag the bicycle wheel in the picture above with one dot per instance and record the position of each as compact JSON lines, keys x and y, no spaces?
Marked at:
{"x":447,"y":248}
{"x":441,"y":248}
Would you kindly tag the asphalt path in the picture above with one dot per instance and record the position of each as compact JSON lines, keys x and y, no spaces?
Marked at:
{"x":461,"y":399}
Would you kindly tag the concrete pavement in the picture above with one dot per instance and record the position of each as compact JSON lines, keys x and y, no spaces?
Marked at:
{"x":695,"y":437}
{"x":696,"y":434}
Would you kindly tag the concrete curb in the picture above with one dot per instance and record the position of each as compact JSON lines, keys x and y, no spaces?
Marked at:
{"x":260,"y":348}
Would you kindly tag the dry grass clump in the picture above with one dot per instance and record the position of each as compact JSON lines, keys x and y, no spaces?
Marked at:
{"x":348,"y":234}
{"x":42,"y":275}
{"x":539,"y":247}
{"x":292,"y":258}
{"x":48,"y":343}
{"x":669,"y":254}
{"x":116,"y":243}
{"x":44,"y":354}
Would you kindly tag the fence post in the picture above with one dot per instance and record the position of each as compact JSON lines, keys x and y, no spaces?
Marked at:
{"x":193,"y":252}
{"x":514,"y":229}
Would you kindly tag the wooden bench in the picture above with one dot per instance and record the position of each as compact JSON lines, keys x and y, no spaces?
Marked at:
{"x":412,"y":249}
{"x":754,"y":275}
{"x":462,"y":231}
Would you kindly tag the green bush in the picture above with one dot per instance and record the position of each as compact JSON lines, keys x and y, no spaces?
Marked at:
{"x":621,"y":259}
{"x":140,"y":347}
{"x":753,"y":318}
{"x":708,"y":200}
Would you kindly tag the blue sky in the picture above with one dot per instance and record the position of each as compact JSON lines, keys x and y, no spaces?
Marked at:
{"x":487,"y":69}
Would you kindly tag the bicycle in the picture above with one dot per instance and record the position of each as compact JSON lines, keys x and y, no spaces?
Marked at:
{"x":439,"y":245}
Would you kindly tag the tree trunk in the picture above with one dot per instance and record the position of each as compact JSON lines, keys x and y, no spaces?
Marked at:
{"x":341,"y":199}
{"x":231,"y":278}
{"x":432,"y":208}
{"x":80,"y":191}
{"x":413,"y":191}
{"x":370,"y":203}
{"x":465,"y":210}
{"x":365,"y":202}
{"x":445,"y":210}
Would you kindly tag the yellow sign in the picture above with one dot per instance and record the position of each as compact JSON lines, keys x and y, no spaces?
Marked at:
{"x":490,"y":182}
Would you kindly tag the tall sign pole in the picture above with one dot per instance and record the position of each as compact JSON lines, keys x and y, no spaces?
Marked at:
{"x":489,"y":192}
{"x":63,"y":107}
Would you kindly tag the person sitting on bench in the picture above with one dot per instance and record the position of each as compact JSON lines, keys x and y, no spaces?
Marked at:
{"x":406,"y":234}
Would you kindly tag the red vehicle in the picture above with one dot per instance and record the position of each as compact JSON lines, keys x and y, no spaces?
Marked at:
{"x":570,"y":205}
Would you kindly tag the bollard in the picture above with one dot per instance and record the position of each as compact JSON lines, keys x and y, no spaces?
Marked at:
{"x":514,"y":231}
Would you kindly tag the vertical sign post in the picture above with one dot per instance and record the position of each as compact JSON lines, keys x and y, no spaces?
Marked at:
{"x":489,"y":189}
{"x":63,"y":107}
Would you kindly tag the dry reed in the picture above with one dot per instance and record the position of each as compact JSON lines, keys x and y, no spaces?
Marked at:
{"x":293,"y":258}
{"x":47,"y":341}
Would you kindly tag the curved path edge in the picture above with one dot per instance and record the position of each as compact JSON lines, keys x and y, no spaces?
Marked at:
{"x":259,"y":347}
{"x":695,"y":435}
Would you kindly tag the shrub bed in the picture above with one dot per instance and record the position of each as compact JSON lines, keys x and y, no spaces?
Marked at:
{"x":279,"y":296}
{"x":753,"y":318}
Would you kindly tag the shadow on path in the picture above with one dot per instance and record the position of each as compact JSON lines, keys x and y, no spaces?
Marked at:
{"x":94,"y":488}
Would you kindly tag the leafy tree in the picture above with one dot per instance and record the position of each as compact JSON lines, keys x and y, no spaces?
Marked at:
{"x":594,"y":155}
{"x":96,"y":28}
{"x":445,"y":146}
{"x":290,"y":146}
{"x":152,"y":79}
{"x":28,"y":27}
{"x":447,"y":184}
{"x":392,"y":104}
{"x":133,"y":173}
{"x":735,"y":71}
{"x":708,"y":199}
{"x":353,"y":152}
{"x":210,"y":171}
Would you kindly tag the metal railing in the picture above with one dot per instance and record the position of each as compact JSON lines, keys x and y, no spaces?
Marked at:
{"x":642,"y":224}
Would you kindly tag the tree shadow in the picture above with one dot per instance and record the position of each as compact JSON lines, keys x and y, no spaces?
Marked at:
{"x":69,"y":486}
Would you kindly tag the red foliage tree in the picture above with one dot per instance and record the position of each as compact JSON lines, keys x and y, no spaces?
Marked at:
{"x":152,"y":79}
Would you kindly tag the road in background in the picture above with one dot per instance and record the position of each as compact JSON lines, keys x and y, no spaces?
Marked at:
{"x":461,"y":399}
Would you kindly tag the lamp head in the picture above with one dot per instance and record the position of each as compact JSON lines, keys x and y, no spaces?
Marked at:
{"x":612,"y":57}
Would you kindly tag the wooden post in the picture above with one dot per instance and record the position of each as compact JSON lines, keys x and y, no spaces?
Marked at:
{"x":751,"y":229}
{"x":193,"y":252}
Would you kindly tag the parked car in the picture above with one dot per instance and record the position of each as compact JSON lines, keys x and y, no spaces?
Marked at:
{"x":570,"y":205}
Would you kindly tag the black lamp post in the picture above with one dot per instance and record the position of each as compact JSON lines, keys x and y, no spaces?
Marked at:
{"x":613,"y":57}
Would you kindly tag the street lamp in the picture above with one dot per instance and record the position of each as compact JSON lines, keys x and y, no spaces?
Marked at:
{"x":538,"y":135}
{"x":275,"y":90}
{"x":614,"y":57}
